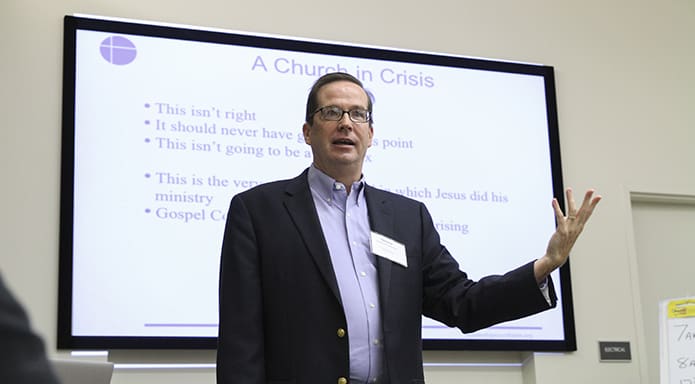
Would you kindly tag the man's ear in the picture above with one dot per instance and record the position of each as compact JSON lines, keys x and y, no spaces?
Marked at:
{"x":306,"y":131}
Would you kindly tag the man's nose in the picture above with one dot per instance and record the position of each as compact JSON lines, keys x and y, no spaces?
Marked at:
{"x":345,"y":122}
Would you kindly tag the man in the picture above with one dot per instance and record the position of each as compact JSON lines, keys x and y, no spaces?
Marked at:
{"x":306,"y":296}
{"x":22,"y":355}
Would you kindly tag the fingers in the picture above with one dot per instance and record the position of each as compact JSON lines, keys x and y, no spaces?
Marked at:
{"x":571,"y":206}
{"x":585,"y":210}
{"x":589,"y":203}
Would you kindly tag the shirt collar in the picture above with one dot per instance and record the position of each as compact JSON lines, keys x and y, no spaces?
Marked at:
{"x":325,"y":185}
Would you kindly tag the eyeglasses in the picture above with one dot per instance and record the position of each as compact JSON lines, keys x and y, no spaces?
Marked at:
{"x":333,"y":113}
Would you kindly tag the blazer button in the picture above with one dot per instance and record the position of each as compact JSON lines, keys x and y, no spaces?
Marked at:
{"x":342,"y":380}
{"x":341,"y":334}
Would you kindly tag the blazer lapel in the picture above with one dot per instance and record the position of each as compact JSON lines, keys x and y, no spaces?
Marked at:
{"x":300,"y":205}
{"x":381,"y":221}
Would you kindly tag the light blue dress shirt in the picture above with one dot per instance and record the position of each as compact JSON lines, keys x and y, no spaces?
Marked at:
{"x":345,"y":224}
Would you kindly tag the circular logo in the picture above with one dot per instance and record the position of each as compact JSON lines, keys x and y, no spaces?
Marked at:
{"x":118,"y":50}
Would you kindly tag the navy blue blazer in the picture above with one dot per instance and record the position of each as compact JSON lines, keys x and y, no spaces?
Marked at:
{"x":280,"y":315}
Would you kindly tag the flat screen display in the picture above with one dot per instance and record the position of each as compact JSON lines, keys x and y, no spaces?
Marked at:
{"x":164,"y":124}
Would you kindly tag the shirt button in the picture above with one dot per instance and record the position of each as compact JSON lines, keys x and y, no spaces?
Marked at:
{"x":340,"y":332}
{"x":372,"y":305}
{"x":376,"y":341}
{"x":363,"y":274}
{"x":342,"y":380}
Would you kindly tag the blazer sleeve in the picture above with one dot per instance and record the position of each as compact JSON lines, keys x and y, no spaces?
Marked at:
{"x":240,"y":351}
{"x":451,"y":297}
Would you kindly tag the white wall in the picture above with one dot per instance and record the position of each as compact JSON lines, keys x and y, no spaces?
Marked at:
{"x":626,"y":89}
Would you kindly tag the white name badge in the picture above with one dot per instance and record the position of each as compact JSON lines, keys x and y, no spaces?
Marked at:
{"x":389,"y":249}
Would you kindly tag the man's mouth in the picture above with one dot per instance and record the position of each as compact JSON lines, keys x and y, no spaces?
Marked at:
{"x":343,"y":142}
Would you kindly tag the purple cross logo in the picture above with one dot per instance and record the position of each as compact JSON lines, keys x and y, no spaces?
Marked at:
{"x":118,"y":50}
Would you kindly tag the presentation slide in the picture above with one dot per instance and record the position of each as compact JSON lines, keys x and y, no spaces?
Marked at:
{"x":168,"y":130}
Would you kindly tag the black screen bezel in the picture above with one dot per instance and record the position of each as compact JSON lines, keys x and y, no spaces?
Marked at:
{"x":65,"y":338}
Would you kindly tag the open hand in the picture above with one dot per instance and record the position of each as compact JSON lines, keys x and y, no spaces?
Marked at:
{"x":566,"y":233}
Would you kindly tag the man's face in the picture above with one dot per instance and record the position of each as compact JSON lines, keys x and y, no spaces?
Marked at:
{"x":339,"y":147}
